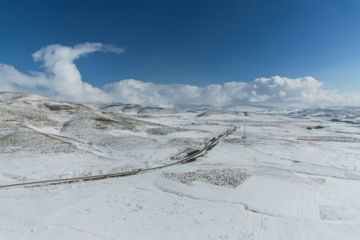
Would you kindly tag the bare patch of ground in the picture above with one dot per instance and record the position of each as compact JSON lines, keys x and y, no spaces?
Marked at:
{"x":222,"y":177}
{"x":242,"y":141}
{"x":316,"y":181}
{"x":338,"y":213}
{"x":329,"y":139}
{"x":162,"y":131}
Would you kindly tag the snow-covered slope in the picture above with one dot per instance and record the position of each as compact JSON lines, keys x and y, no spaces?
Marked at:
{"x":336,"y":114}
{"x":63,"y":139}
{"x":294,"y":176}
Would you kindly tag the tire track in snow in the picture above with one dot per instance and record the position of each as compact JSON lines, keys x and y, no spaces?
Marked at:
{"x":246,"y":207}
{"x":57,"y":214}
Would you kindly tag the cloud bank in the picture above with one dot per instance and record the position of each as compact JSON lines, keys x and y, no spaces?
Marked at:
{"x":62,"y":80}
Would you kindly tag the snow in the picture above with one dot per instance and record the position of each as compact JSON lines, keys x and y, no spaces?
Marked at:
{"x":283,"y":181}
{"x":48,"y":130}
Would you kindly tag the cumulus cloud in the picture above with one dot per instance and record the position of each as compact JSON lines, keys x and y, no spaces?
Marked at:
{"x":62,"y":80}
{"x":278,"y":89}
{"x":13,"y":80}
{"x":274,"y":90}
{"x":64,"y":77}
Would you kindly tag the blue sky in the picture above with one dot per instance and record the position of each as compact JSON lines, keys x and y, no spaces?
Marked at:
{"x":191,"y":42}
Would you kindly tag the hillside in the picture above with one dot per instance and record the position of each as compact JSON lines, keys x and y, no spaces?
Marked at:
{"x":292,"y":174}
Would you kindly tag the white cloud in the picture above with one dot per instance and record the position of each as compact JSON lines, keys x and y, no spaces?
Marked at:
{"x":274,"y":90}
{"x":278,"y":89}
{"x":12,"y":80}
{"x":63,"y":75}
{"x":62,"y":80}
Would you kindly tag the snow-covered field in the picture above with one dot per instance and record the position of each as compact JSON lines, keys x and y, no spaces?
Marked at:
{"x":295,"y":176}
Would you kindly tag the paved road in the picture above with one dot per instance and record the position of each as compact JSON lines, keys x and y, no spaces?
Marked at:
{"x":121,"y":174}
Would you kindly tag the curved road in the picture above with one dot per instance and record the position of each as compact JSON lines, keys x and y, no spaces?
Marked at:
{"x":121,"y":174}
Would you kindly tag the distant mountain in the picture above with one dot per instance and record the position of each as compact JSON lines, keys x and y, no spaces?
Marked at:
{"x":221,"y":112}
{"x":345,"y":114}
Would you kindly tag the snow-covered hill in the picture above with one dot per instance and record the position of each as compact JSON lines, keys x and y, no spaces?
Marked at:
{"x":80,"y":139}
{"x":345,"y":114}
{"x":288,"y":175}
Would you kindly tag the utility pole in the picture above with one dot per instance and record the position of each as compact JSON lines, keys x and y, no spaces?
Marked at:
{"x":244,"y":131}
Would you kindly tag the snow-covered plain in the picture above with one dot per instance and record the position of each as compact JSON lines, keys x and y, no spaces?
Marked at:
{"x":295,"y":176}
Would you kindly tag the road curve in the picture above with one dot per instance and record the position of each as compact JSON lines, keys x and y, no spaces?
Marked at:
{"x":121,"y":174}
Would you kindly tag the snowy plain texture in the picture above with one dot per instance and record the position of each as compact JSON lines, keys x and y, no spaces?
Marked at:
{"x":295,"y":176}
